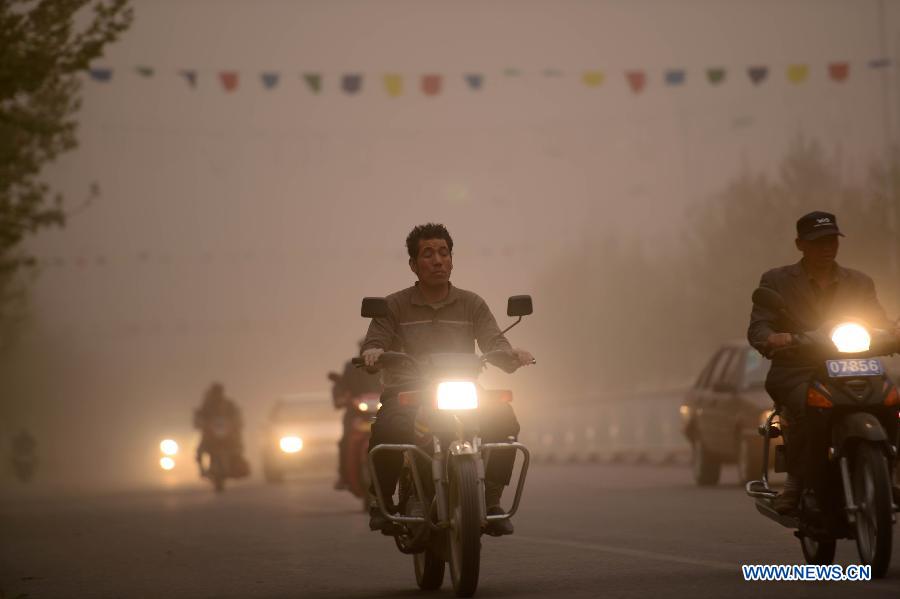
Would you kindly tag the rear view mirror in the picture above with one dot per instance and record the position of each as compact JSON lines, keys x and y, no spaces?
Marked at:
{"x":374,"y":307}
{"x":519,"y":305}
{"x":768,"y":298}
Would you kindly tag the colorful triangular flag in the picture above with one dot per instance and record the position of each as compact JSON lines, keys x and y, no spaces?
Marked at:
{"x":839,"y":71}
{"x":102,"y":75}
{"x":474,"y":80}
{"x":879,"y":63}
{"x":715,"y":75}
{"x":313,"y":81}
{"x":757,"y":74}
{"x":190,"y":76}
{"x":593,"y":78}
{"x":431,"y":84}
{"x":797,"y":73}
{"x":351,"y":84}
{"x":675,"y":77}
{"x":393,"y":84}
{"x":552,"y":73}
{"x":270,"y":79}
{"x":512,"y":72}
{"x":636,"y":80}
{"x":145,"y":71}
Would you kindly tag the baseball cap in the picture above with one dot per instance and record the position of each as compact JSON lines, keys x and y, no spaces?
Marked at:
{"x":817,"y":224}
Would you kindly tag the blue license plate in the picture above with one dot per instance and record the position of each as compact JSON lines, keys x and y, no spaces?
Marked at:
{"x":854,"y":367}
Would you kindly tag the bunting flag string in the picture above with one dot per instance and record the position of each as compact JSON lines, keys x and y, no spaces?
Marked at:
{"x":435,"y":84}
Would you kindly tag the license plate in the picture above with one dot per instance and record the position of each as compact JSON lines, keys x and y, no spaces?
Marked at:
{"x":854,"y":367}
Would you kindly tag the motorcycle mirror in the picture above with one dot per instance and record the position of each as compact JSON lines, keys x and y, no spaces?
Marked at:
{"x":768,"y":298}
{"x":519,"y":305}
{"x":374,"y":307}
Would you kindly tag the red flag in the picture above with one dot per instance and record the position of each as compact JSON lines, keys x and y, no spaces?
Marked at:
{"x":636,"y":80}
{"x":431,"y":85}
{"x":839,"y":71}
{"x":229,"y":80}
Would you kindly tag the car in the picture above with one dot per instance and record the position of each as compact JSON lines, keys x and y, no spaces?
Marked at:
{"x":299,"y":435}
{"x":722,"y":412}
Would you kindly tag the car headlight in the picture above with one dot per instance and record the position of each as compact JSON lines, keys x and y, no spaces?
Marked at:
{"x":290,"y":444}
{"x":168,"y":447}
{"x":457,"y":395}
{"x":166,"y":463}
{"x":363,"y":406}
{"x":851,"y":338}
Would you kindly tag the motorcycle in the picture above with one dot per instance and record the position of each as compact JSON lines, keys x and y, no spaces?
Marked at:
{"x":441,"y":508}
{"x":362,"y":414}
{"x":854,"y":405}
{"x":223,"y":456}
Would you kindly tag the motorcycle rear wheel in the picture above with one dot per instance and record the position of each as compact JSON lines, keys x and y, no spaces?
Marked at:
{"x":872,"y":494}
{"x":818,"y":552}
{"x":465,"y":527}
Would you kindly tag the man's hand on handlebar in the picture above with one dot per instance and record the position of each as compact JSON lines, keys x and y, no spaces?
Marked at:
{"x":524,"y":356}
{"x":777,"y":340}
{"x":370,"y":356}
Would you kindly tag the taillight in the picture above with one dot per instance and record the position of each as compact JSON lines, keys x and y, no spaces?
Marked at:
{"x":817,"y":399}
{"x":893,"y":397}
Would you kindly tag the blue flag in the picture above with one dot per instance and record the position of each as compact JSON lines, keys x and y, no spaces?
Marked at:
{"x":190,"y":76}
{"x":474,"y":80}
{"x":351,"y":84}
{"x":675,"y":77}
{"x":102,"y":75}
{"x":270,"y":79}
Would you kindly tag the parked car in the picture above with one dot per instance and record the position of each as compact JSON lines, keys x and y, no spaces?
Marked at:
{"x":722,"y":412}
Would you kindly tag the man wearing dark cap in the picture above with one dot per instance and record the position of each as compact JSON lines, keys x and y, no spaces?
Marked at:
{"x":815,"y":290}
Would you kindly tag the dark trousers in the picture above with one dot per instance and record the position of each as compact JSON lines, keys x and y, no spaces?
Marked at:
{"x":395,"y":423}
{"x":788,"y":386}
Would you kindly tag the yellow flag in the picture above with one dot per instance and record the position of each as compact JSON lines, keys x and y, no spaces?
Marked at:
{"x":797,"y":73}
{"x":592,"y":78}
{"x":393,"y":84}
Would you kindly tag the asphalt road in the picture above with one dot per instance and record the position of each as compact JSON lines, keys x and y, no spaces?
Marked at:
{"x":583,"y":531}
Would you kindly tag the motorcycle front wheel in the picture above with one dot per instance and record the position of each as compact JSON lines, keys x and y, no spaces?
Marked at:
{"x":465,"y":526}
{"x":872,"y":494}
{"x":429,"y":570}
{"x":818,"y":552}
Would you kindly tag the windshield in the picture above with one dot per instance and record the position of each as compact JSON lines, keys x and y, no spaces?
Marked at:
{"x":755,"y":369}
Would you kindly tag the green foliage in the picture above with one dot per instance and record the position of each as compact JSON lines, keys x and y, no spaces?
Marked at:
{"x":42,"y":50}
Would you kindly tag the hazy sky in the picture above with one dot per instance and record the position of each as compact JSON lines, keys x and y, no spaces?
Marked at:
{"x":236,"y":232}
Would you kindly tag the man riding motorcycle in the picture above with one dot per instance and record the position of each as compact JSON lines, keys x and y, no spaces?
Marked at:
{"x":353,"y":382}
{"x":215,"y":411}
{"x":816,"y":290}
{"x":432,"y":317}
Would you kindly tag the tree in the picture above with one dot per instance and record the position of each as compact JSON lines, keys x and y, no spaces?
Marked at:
{"x":44,"y":45}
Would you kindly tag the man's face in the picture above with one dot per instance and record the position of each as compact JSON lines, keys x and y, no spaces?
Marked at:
{"x":820,"y":252}
{"x":433,"y":262}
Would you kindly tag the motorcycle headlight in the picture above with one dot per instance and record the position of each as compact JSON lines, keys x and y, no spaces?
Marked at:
{"x":168,"y":447}
{"x":851,"y":338}
{"x":290,"y":444}
{"x":166,"y":463}
{"x":764,"y":417}
{"x":457,"y":395}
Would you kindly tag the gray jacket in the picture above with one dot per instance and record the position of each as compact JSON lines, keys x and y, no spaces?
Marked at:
{"x":851,"y":296}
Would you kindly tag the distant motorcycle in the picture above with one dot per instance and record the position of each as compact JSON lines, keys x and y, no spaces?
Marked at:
{"x":356,"y":462}
{"x":442,"y":512}
{"x":851,"y":400}
{"x":220,"y":457}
